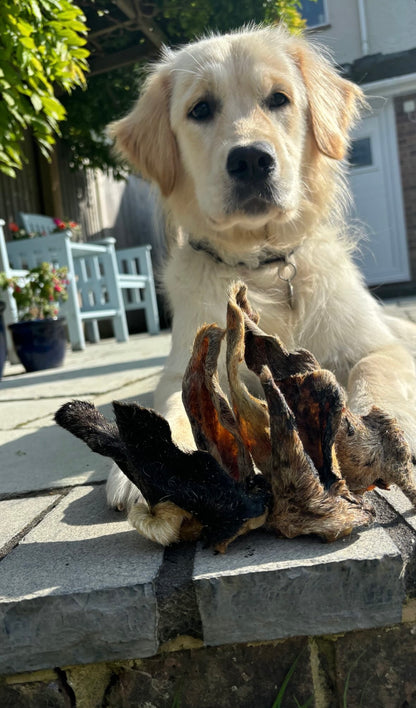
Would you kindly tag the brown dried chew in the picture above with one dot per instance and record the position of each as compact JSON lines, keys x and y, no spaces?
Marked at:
{"x":312,"y":394}
{"x":251,"y":413}
{"x":301,"y":504}
{"x":213,"y":423}
{"x":313,"y":509}
{"x":373,"y":452}
{"x":370,"y":450}
{"x":268,"y":349}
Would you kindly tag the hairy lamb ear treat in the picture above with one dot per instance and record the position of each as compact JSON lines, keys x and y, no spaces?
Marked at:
{"x":369,"y":451}
{"x":188,"y":495}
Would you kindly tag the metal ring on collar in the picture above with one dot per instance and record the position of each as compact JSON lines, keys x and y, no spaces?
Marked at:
{"x":292,"y":269}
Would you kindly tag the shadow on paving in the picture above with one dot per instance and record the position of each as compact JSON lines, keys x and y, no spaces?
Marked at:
{"x":60,"y":375}
{"x":50,"y":457}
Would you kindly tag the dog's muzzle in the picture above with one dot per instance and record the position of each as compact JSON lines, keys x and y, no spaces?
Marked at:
{"x":252,"y":169}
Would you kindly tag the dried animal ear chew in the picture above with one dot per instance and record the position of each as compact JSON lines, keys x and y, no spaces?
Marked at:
{"x":370,"y":450}
{"x":373,"y":452}
{"x":188,"y":495}
{"x":251,"y":413}
{"x":214,"y":425}
{"x":306,"y":444}
{"x":309,"y":494}
{"x":302,"y":503}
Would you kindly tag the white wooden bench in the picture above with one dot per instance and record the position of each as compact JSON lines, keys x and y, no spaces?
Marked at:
{"x":134,"y":272}
{"x":96,"y":290}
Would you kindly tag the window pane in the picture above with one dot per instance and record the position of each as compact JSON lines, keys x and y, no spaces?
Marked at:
{"x":314,"y":12}
{"x":360,"y":153}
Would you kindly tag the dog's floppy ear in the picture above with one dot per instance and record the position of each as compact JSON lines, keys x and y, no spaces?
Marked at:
{"x":145,"y":137}
{"x":334,"y":102}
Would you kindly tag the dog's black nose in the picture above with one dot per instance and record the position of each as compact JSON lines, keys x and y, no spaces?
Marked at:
{"x":251,"y":163}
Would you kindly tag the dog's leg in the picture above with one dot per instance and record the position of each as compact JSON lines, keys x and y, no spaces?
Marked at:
{"x":386,"y":378}
{"x":168,"y":402}
{"x":404,"y":330}
{"x":121,"y":493}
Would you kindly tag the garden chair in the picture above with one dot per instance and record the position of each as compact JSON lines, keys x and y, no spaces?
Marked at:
{"x":93,"y":291}
{"x":134,"y":270}
{"x":10,"y":312}
{"x":135,"y":278}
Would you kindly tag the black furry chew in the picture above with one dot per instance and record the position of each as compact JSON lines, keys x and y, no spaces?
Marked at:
{"x":140,"y":442}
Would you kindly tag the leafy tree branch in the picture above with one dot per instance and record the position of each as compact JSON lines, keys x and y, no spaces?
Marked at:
{"x":42,"y":53}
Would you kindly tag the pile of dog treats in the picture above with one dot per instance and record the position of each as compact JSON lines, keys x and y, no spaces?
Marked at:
{"x":294,"y":460}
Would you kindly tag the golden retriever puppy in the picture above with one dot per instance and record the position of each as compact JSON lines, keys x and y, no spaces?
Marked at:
{"x":245,"y":135}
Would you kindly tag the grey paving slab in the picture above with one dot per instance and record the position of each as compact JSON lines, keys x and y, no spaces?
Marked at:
{"x":102,"y":367}
{"x":266,"y":588}
{"x":39,"y":455}
{"x":29,"y":414}
{"x":32,"y":415}
{"x":47,"y":458}
{"x":138,"y":392}
{"x":17,"y":514}
{"x":400,"y":503}
{"x":79,"y":588}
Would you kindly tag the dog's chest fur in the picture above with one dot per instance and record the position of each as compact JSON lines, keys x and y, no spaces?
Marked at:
{"x":197,"y":288}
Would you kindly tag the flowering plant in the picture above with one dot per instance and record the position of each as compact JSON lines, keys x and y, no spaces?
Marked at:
{"x":67,"y":226}
{"x":19,"y":232}
{"x":38,"y":293}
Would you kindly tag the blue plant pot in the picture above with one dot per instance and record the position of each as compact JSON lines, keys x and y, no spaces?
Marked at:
{"x":3,"y":344}
{"x":40,"y":344}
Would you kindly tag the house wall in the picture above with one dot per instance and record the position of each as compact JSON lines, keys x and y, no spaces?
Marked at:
{"x":342,"y":34}
{"x":391,"y":27}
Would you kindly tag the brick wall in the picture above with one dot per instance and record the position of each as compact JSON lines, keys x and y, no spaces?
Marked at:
{"x":406,"y":133}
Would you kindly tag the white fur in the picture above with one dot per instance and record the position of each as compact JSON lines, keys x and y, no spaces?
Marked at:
{"x":334,"y":316}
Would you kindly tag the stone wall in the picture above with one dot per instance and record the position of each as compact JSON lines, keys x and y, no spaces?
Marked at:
{"x":373,"y":669}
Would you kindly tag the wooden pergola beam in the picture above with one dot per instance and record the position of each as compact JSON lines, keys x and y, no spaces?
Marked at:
{"x":107,"y":62}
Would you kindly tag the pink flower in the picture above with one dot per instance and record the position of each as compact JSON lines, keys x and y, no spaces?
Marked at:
{"x":13,"y":227}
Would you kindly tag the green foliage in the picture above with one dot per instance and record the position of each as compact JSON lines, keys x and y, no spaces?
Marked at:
{"x":38,"y":294}
{"x":111,"y":95}
{"x":42,"y":52}
{"x":278,"y":702}
{"x":288,"y":12}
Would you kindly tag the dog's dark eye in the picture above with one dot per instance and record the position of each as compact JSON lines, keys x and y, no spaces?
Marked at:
{"x":277,"y":100}
{"x":202,"y":111}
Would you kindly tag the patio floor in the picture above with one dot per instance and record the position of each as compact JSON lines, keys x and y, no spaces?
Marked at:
{"x":78,"y":585}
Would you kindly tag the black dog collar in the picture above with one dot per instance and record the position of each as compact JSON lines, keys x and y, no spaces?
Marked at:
{"x":265,"y":257}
